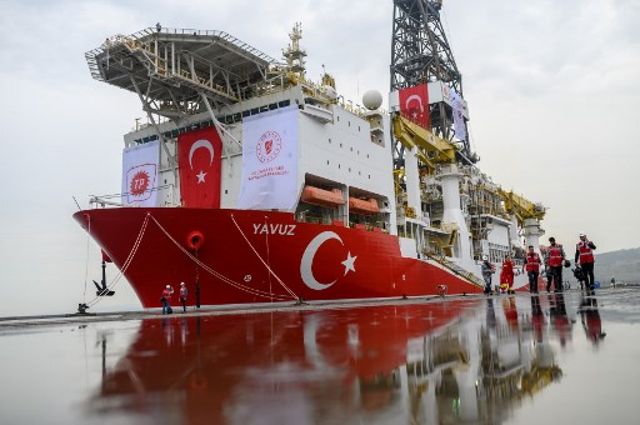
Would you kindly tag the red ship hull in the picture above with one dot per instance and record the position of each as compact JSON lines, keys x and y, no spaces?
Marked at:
{"x":257,"y":256}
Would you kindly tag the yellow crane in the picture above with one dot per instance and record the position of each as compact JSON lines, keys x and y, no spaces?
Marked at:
{"x":521,"y":207}
{"x":431,"y":149}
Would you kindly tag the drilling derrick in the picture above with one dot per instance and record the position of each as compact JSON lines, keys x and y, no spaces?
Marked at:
{"x":420,"y":53}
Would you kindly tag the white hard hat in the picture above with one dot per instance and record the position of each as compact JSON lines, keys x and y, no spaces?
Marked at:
{"x":582,"y":234}
{"x":181,"y":283}
{"x":168,"y":286}
{"x":484,"y":257}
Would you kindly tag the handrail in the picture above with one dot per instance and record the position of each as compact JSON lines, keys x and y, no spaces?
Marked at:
{"x":104,"y":200}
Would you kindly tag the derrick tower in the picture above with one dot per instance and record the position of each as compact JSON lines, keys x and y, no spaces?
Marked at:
{"x":420,"y":53}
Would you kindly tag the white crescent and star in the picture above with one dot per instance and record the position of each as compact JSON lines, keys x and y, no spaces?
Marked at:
{"x":306,"y":262}
{"x":414,"y":97}
{"x":202,"y":143}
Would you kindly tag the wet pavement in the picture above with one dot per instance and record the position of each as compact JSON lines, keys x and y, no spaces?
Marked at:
{"x":554,"y":358}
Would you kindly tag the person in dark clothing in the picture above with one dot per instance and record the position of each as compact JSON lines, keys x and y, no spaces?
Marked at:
{"x":532,"y":267}
{"x":584,"y":254}
{"x":556,"y":258}
{"x":487,"y":271}
{"x":166,"y":300}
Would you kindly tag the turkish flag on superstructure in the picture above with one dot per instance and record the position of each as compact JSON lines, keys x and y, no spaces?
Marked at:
{"x":200,"y":164}
{"x":414,"y":104}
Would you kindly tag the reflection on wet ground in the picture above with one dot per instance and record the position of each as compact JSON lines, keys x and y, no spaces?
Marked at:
{"x":552,"y":358}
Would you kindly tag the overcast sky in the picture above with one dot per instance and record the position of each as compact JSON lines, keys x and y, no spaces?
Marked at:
{"x":553,"y":91}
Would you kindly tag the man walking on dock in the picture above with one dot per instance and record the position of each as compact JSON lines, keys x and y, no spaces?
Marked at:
{"x":532,"y":267}
{"x":184,"y":292}
{"x":556,"y":260}
{"x":584,"y":254}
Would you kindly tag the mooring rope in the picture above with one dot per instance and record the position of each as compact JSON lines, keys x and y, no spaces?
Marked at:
{"x":220,"y":276}
{"x":293,"y":294}
{"x":127,"y":263}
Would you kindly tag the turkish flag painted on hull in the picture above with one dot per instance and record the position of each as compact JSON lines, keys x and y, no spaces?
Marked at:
{"x":200,"y":164}
{"x":414,"y":104}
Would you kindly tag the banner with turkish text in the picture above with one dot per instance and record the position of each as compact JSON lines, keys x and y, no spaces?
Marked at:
{"x":140,"y":175}
{"x":200,"y":165}
{"x":414,"y":104}
{"x":270,"y":161}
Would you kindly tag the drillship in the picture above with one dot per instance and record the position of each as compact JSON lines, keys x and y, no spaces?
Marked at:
{"x":253,"y":184}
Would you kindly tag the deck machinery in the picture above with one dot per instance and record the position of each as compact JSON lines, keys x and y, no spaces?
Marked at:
{"x":440,"y":189}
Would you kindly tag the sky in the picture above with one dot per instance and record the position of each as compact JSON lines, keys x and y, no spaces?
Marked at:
{"x":552,"y":89}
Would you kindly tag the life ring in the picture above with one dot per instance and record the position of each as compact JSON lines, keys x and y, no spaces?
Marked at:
{"x":195,"y":240}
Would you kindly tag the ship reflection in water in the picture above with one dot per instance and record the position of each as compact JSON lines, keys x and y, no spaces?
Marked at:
{"x":429,"y":363}
{"x":505,"y":359}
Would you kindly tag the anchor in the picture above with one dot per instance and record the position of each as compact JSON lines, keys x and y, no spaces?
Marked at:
{"x":101,"y":288}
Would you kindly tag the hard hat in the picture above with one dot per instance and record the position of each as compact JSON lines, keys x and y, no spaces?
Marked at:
{"x":168,"y":286}
{"x":484,"y":257}
{"x":181,"y":283}
{"x":583,"y":234}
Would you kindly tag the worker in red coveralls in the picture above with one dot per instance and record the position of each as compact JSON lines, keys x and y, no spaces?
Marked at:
{"x":506,"y":275}
{"x":556,"y":258}
{"x":584,"y":255}
{"x":166,"y":300}
{"x":184,"y":293}
{"x":532,"y":267}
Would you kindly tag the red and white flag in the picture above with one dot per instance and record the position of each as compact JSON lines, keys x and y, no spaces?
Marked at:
{"x":414,"y":104}
{"x":200,"y":165}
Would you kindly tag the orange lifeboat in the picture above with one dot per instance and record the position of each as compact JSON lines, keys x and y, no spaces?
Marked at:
{"x":322,"y":197}
{"x":364,"y":206}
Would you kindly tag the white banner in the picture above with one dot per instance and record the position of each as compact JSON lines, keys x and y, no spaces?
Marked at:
{"x":270,"y":161}
{"x":458,"y":115}
{"x":140,"y":175}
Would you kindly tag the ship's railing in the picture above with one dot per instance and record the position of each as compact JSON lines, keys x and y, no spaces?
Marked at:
{"x":455,"y":268}
{"x":114,"y":200}
{"x":146,"y":32}
{"x":220,"y":34}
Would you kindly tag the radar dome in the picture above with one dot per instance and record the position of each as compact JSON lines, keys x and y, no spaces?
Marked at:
{"x":372,"y":100}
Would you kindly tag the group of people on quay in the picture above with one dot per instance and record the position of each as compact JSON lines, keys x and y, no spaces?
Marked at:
{"x":553,"y":261}
{"x":167,"y":293}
